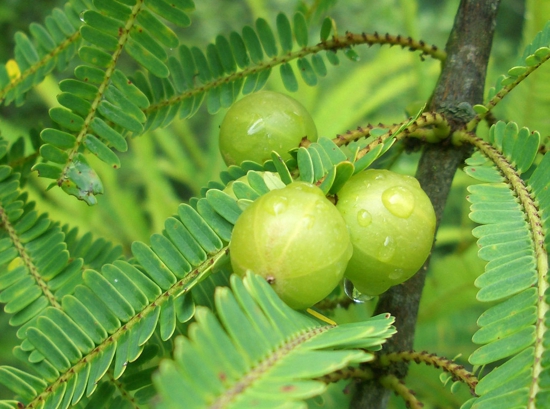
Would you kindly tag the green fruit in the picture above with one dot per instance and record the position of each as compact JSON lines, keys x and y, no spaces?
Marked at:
{"x":391,"y":222}
{"x":296,"y":239}
{"x":263,"y":122}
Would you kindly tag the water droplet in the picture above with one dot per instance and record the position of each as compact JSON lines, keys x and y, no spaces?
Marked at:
{"x":396,"y":274}
{"x":81,"y":16}
{"x":276,"y":205}
{"x":308,"y":221}
{"x":116,"y":280}
{"x":380,"y":176}
{"x":364,"y":218}
{"x":355,"y":295}
{"x":399,"y":201}
{"x":387,"y":251}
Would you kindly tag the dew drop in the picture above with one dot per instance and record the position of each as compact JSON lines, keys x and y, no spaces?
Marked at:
{"x":308,"y":221}
{"x":396,"y":274}
{"x":354,"y":294}
{"x":81,"y":16}
{"x":364,"y":218}
{"x":399,"y":201}
{"x":387,"y":250}
{"x":276,"y":205}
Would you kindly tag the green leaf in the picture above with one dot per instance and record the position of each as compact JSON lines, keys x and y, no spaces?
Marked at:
{"x":266,"y":37}
{"x":25,"y":46}
{"x":253,"y":44}
{"x":143,"y":57}
{"x":281,"y":167}
{"x":319,"y":65}
{"x":104,"y":317}
{"x":218,"y":223}
{"x":116,"y":97}
{"x":503,"y":348}
{"x":76,"y":104}
{"x":153,"y":266}
{"x":95,"y":56}
{"x":79,"y":88}
{"x":47,"y":348}
{"x":199,"y":229}
{"x":239,"y":50}
{"x":21,"y":383}
{"x":169,"y":12}
{"x":99,"y":38}
{"x":305,"y":165}
{"x":224,"y":205}
{"x":109,"y":134}
{"x":332,"y":57}
{"x":202,"y":65}
{"x":129,"y":290}
{"x":285,"y":32}
{"x":103,"y":23}
{"x":42,"y":36}
{"x":113,"y":9}
{"x":112,"y":298}
{"x":326,"y":28}
{"x":344,"y":171}
{"x":101,"y":150}
{"x":184,"y":241}
{"x":89,"y":75}
{"x":253,"y":308}
{"x":160,"y":31}
{"x":167,"y":319}
{"x":143,"y":38}
{"x":226,"y":55}
{"x":48,"y":171}
{"x":57,"y":138}
{"x":288,"y":77}
{"x":300,"y":30}
{"x":66,"y":118}
{"x":119,"y":116}
{"x":328,"y":181}
{"x":308,"y":74}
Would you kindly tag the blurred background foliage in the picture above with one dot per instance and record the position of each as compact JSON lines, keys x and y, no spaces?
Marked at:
{"x":170,"y":165}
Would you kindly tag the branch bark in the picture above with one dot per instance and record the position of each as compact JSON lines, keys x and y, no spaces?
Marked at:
{"x":462,"y":80}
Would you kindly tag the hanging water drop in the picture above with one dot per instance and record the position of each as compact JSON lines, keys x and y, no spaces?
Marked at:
{"x":81,"y":16}
{"x":354,"y":294}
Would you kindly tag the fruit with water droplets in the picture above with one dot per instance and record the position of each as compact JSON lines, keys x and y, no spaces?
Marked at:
{"x":391,"y":222}
{"x":296,"y":239}
{"x":263,"y":122}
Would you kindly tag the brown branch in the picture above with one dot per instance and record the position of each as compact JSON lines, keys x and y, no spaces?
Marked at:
{"x":462,"y":80}
{"x":457,"y":372}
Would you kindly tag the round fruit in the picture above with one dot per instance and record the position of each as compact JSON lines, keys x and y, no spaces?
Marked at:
{"x":296,"y":239}
{"x":263,"y":122}
{"x":392,"y":224}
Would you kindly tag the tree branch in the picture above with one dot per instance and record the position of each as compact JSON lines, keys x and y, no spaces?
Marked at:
{"x":462,"y":80}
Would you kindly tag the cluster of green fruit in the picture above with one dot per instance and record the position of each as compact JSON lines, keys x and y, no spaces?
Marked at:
{"x":378,"y":234}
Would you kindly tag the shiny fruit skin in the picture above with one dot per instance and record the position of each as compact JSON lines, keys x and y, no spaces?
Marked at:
{"x":263,"y":122}
{"x":392,"y":224}
{"x":296,"y":239}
